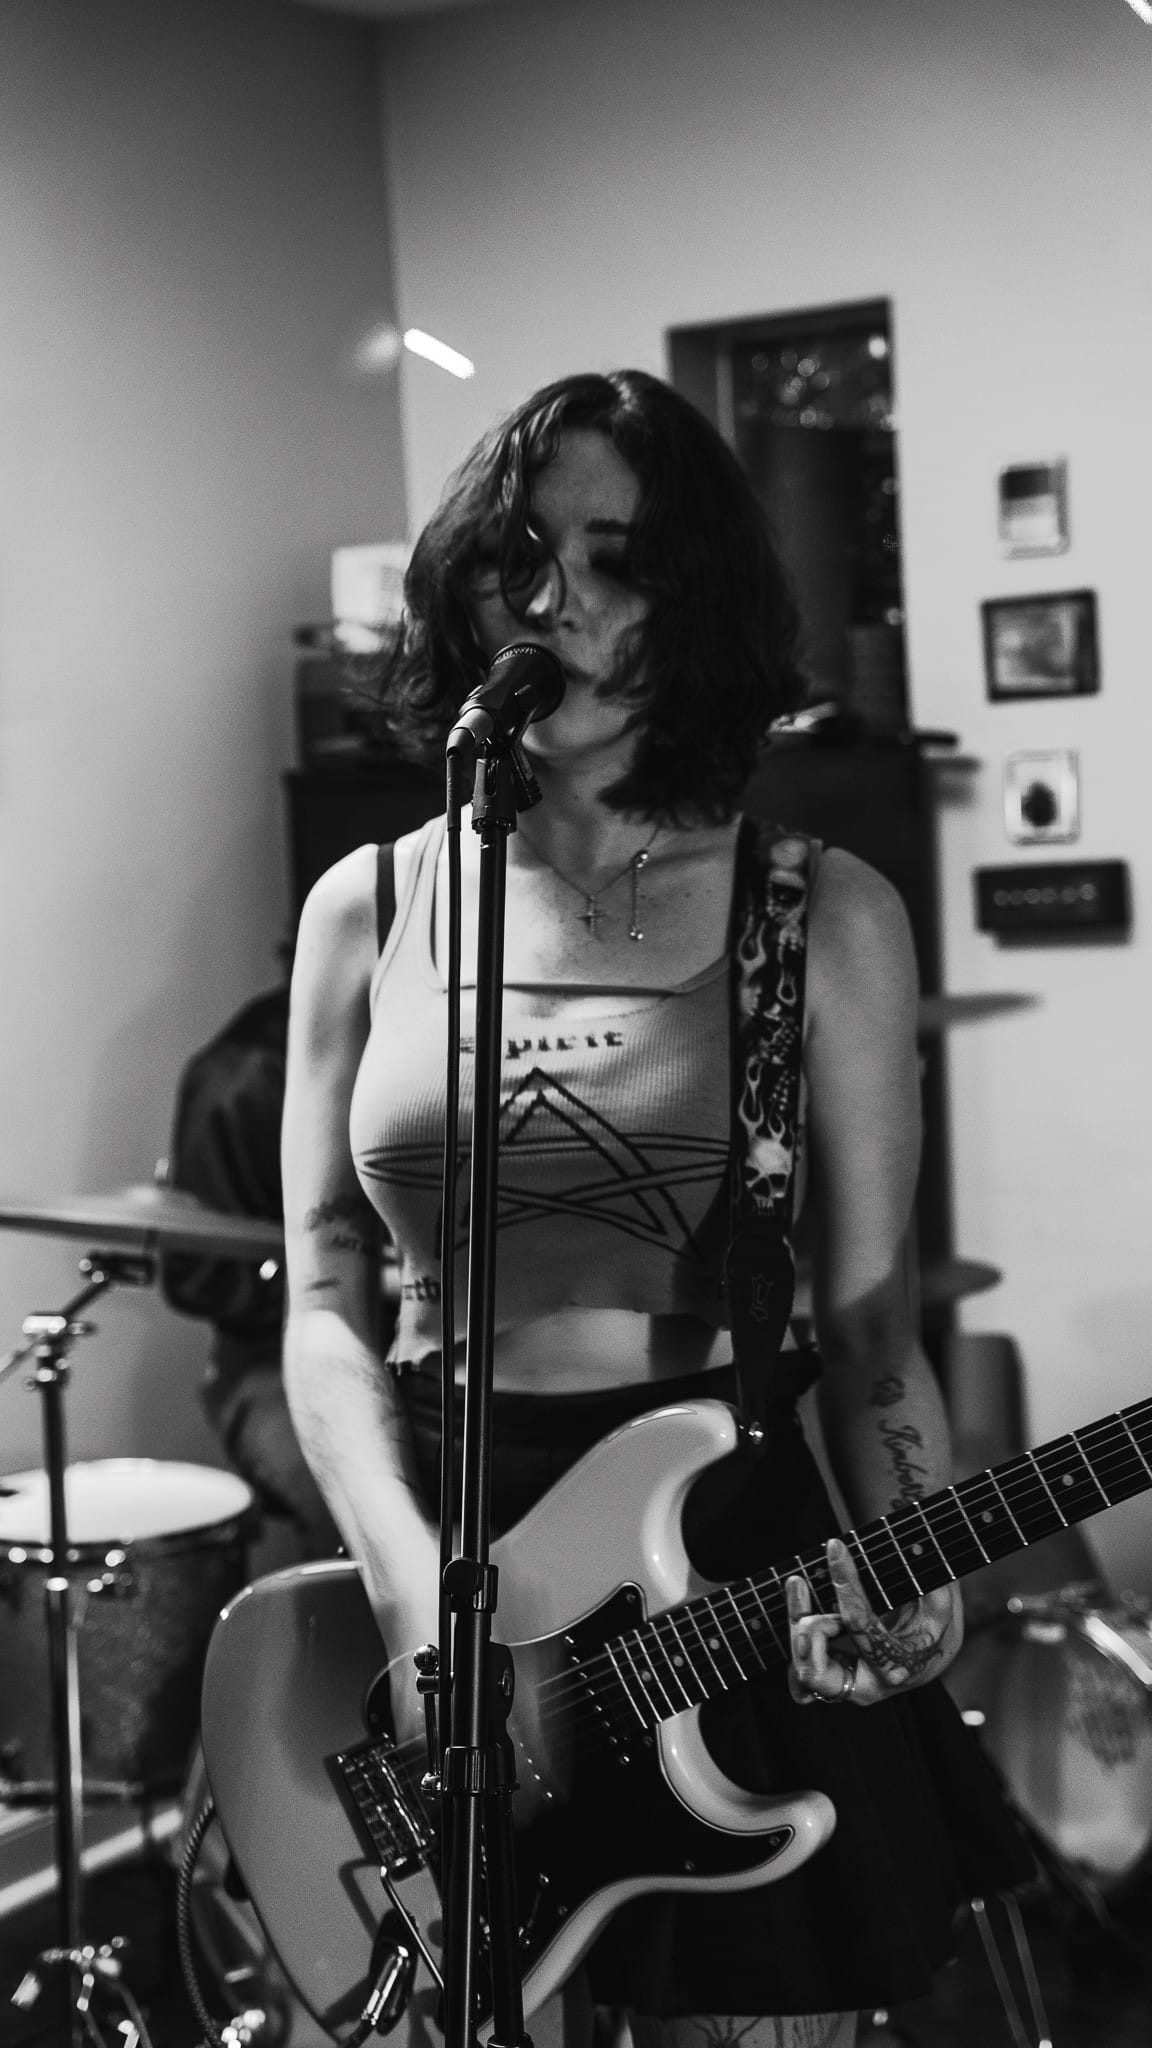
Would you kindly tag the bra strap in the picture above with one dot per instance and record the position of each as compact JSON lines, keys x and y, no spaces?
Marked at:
{"x":385,"y":893}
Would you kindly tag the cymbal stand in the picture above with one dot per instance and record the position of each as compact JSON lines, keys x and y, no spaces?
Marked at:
{"x":48,"y":1339}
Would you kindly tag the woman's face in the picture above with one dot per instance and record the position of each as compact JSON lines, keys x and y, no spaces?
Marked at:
{"x":581,"y":604}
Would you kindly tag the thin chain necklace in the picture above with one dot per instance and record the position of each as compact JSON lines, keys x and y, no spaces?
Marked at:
{"x":591,"y":914}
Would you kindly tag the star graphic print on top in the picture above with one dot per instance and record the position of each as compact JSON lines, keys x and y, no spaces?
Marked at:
{"x":614,"y":1131}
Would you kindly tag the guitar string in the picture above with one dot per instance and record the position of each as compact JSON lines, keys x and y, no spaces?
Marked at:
{"x":881,"y":1549}
{"x":942,"y":1515}
{"x":566,"y":1693}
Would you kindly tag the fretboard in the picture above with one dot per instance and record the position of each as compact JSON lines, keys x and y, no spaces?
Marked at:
{"x":718,"y":1640}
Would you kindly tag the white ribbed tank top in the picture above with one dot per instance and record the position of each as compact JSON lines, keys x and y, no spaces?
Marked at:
{"x":613,"y":1135}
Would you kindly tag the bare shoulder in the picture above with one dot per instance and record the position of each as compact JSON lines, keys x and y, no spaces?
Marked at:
{"x":336,"y":942}
{"x":860,"y":940}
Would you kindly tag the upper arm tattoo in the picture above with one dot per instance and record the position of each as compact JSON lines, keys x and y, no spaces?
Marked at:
{"x":347,"y":1223}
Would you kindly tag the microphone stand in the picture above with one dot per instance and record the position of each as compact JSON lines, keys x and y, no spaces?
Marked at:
{"x":478,"y":1763}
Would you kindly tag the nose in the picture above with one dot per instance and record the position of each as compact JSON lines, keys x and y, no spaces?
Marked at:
{"x":549,"y":595}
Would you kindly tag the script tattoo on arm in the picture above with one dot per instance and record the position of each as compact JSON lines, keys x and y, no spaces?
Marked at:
{"x":903,"y":1440}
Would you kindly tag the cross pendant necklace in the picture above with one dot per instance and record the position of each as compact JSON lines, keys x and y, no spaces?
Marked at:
{"x":591,"y":914}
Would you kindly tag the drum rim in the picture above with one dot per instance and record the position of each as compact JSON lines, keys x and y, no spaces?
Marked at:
{"x":221,"y":1529}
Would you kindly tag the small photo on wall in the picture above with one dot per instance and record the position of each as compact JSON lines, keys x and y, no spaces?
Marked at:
{"x":1041,"y":646}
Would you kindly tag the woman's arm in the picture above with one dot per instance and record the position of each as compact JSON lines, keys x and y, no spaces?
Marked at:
{"x":340,"y":1396}
{"x":883,"y":1418}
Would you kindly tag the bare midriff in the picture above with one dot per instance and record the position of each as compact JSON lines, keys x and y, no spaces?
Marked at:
{"x":592,"y":1351}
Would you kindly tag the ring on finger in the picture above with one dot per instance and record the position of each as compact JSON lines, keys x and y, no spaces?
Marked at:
{"x":847,"y":1688}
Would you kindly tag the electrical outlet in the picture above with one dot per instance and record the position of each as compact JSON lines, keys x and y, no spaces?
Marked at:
{"x":1042,"y":797}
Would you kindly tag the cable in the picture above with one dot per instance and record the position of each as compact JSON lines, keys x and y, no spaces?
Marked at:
{"x":213,"y":2037}
{"x":192,"y":1846}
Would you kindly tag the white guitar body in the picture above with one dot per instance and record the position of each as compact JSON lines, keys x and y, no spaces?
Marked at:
{"x":303,"y":1645}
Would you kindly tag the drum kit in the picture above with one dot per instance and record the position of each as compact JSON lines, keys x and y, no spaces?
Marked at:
{"x":112,"y":1574}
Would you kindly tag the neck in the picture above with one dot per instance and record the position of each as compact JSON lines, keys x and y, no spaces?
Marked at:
{"x":573,"y":827}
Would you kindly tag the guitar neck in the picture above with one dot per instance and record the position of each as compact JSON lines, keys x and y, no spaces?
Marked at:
{"x":707,"y":1645}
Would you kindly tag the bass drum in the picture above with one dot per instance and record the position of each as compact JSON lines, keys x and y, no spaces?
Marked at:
{"x":1061,"y":1694}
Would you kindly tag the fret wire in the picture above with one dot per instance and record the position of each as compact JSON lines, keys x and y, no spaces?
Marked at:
{"x":1048,"y":1490}
{"x":811,"y":1573}
{"x":918,"y":1508}
{"x":1105,"y":1449}
{"x":684,"y":1658}
{"x":900,"y":1554}
{"x":1048,"y":1450}
{"x":1007,"y":1510}
{"x":708,"y":1602}
{"x":689,"y":1614}
{"x":953,"y":1533}
{"x":853,"y":1538}
{"x":758,"y":1596}
{"x":753,"y":1645}
{"x":637,"y":1710}
{"x":643,"y":1648}
{"x":1135,"y":1446}
{"x":969,"y":1523}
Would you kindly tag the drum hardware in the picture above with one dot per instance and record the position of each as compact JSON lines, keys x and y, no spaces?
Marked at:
{"x":1058,"y":1687}
{"x":48,"y":1339}
{"x":141,"y":1221}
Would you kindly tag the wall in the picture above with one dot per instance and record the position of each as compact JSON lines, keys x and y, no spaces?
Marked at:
{"x":192,"y":232}
{"x":571,"y":177}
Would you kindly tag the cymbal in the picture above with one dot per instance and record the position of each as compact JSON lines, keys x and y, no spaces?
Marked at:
{"x":939,"y":1282}
{"x":146,"y":1218}
{"x":936,"y":1013}
{"x":945,"y":1280}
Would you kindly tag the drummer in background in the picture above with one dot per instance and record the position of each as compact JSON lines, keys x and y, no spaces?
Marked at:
{"x":226,"y":1151}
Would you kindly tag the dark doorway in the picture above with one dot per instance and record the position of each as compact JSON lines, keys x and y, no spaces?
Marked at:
{"x":806,"y":399}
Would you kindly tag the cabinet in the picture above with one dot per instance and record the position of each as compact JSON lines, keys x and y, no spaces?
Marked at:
{"x":331,"y":810}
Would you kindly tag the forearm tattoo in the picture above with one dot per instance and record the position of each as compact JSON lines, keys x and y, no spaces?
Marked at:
{"x":348,"y":1221}
{"x":902,"y":1440}
{"x":886,"y":1391}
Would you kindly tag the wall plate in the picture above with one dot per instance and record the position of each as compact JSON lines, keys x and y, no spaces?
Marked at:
{"x":1042,"y":797}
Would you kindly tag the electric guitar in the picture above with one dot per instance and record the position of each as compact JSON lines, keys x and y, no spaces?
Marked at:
{"x":617,"y":1644}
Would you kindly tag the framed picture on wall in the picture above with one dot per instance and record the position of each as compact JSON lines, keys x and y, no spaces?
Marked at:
{"x":1041,"y":646}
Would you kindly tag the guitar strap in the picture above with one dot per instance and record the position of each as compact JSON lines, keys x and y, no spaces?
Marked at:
{"x":766,"y":1020}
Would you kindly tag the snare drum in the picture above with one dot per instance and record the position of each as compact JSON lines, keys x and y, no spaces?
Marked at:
{"x":1061,"y":1693}
{"x":155,"y":1551}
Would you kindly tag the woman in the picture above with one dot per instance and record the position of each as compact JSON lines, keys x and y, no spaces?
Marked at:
{"x":609,"y":523}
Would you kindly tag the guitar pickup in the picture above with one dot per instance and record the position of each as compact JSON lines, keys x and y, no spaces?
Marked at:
{"x":394,"y":1820}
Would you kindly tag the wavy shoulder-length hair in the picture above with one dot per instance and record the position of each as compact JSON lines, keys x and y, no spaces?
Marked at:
{"x":716,"y":660}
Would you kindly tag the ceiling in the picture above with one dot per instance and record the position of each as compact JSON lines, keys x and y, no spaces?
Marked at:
{"x":390,"y":10}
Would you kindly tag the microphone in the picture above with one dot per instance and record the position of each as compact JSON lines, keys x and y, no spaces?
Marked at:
{"x":524,"y":682}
